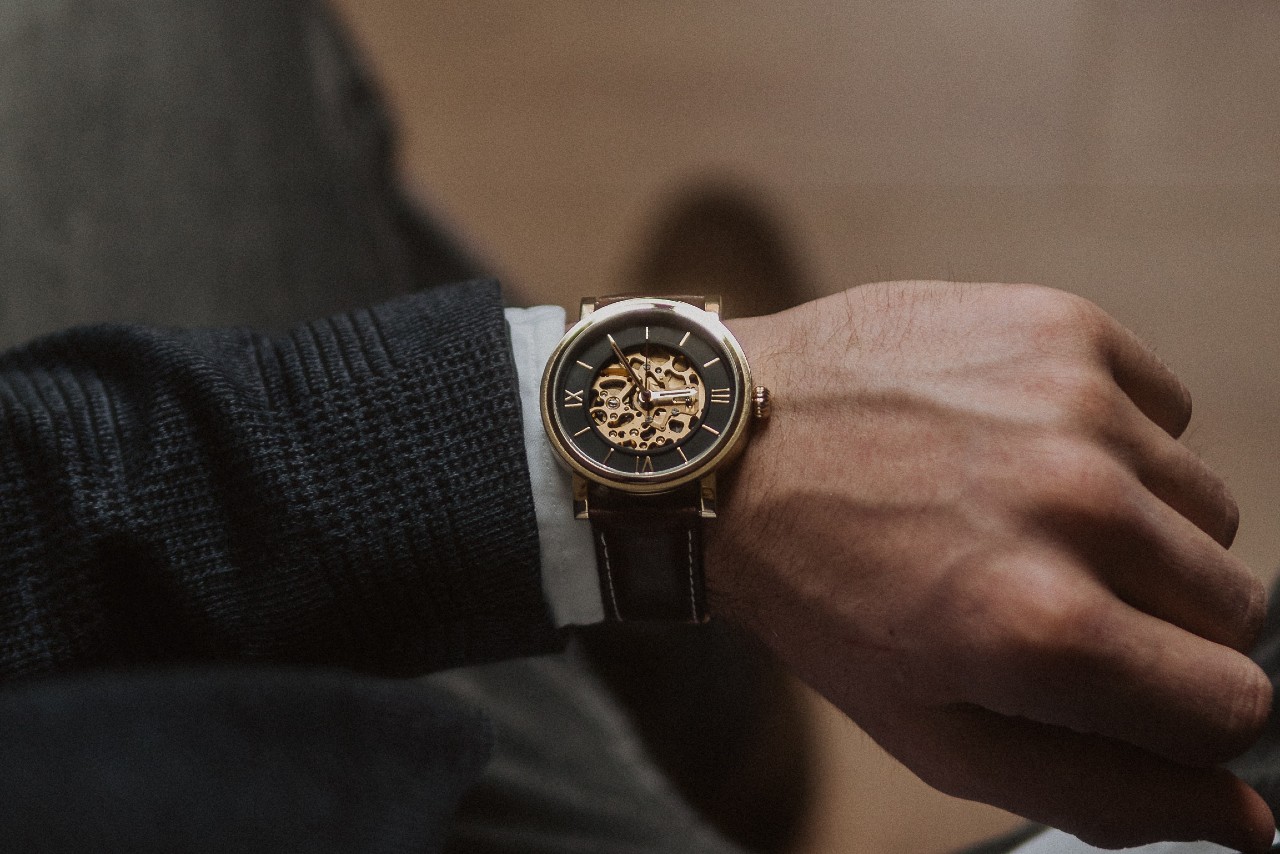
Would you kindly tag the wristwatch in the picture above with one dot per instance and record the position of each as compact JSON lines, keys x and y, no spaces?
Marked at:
{"x":644,"y":399}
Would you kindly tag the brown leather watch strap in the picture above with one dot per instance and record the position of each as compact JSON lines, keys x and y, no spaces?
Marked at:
{"x":649,"y":553}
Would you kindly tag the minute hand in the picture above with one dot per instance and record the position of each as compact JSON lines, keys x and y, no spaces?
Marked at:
{"x":617,"y":351}
{"x":678,"y":395}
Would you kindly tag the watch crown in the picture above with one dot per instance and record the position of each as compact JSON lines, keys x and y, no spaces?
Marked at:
{"x":761,"y":402}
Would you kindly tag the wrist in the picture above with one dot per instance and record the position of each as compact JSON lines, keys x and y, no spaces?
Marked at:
{"x":735,"y":540}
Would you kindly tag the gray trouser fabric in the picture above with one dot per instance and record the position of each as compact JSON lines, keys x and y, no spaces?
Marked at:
{"x":194,"y":163}
{"x":568,"y":773}
{"x":228,"y":162}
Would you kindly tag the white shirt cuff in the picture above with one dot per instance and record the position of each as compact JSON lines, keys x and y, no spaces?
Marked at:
{"x":1057,"y":842}
{"x":569,"y":578}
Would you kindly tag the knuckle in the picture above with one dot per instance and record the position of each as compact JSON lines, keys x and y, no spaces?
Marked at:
{"x":1050,"y":629}
{"x":1069,"y":629}
{"x":1064,"y":313}
{"x":1077,"y":397}
{"x":1080,"y":477}
{"x":1088,"y":400}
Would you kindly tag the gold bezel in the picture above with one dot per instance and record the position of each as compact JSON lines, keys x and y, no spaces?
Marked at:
{"x":729,"y":445}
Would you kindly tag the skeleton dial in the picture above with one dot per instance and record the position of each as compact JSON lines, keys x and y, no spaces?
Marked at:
{"x":661,"y":410}
{"x":664,"y":408}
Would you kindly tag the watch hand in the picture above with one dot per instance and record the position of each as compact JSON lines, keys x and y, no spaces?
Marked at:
{"x":678,"y":395}
{"x":617,"y":351}
{"x":648,"y":370}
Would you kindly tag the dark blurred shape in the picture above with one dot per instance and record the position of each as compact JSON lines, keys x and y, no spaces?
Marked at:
{"x":209,"y":761}
{"x":722,"y":238}
{"x":721,"y":719}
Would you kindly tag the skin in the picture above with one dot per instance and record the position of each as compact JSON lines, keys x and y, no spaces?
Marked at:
{"x":970,"y":525}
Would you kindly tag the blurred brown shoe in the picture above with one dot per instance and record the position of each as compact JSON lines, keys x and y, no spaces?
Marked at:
{"x":718,"y":713}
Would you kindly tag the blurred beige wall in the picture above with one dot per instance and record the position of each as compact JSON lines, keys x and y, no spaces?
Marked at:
{"x":1129,"y":152}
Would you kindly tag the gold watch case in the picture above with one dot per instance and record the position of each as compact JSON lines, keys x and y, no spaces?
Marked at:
{"x":708,"y":403}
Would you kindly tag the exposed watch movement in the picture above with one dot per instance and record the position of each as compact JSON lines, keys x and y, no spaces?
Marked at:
{"x":647,"y":400}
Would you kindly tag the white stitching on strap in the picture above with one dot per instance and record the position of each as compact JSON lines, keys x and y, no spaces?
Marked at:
{"x":608,"y":576}
{"x":693,"y":590}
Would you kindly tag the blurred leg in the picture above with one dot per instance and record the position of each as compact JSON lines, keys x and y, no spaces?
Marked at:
{"x":568,"y":771}
{"x":193,"y":163}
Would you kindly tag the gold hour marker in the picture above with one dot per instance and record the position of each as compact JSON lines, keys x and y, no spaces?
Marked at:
{"x":573,"y":398}
{"x":644,"y":465}
{"x":682,"y":454}
{"x":583,"y":430}
{"x":646,"y":333}
{"x":684,"y":339}
{"x":606,"y":457}
{"x":720,"y":395}
{"x":713,"y":431}
{"x":712,"y":362}
{"x":584,"y":364}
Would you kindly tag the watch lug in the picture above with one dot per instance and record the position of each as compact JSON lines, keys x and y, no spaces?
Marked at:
{"x":581,"y":505}
{"x":588,"y":305}
{"x":707,"y":497}
{"x":712,"y":304}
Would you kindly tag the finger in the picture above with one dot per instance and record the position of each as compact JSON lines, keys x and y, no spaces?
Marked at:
{"x":1157,"y":560}
{"x":1178,"y":574}
{"x":1106,"y":793}
{"x":1089,"y":662}
{"x":1174,"y":474}
{"x":1144,"y":550}
{"x":1155,"y":389}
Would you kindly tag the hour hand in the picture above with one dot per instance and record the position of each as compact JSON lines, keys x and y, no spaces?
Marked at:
{"x":636,"y":381}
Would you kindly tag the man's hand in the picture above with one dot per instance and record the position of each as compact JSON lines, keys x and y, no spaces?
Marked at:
{"x":970,"y":526}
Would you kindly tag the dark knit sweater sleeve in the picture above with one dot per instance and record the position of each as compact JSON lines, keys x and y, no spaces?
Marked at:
{"x":353,"y":492}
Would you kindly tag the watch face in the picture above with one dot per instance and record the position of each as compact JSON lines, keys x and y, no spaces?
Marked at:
{"x":646,"y":393}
